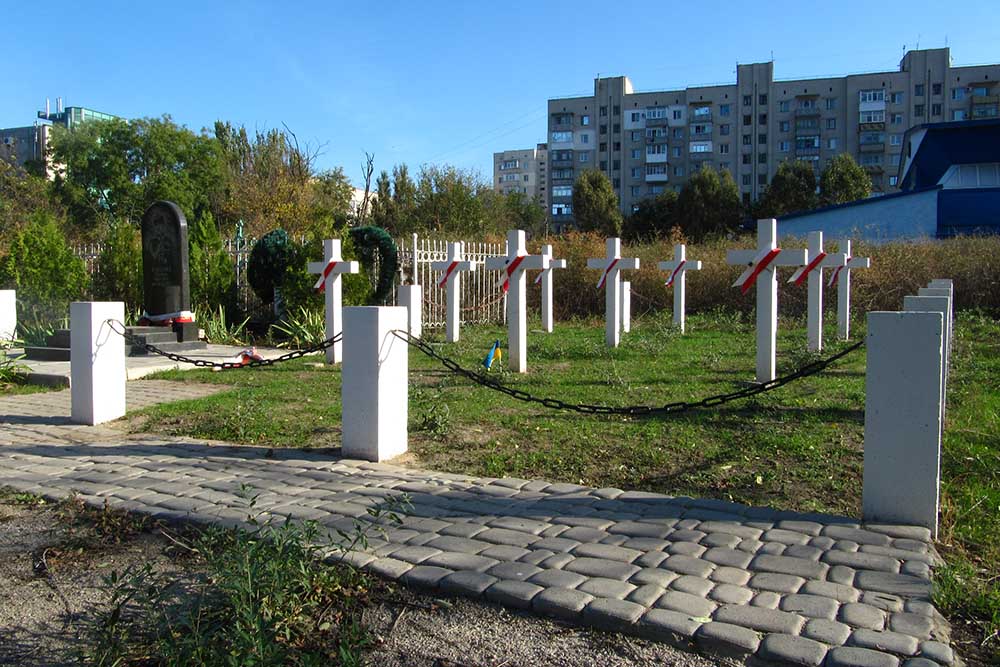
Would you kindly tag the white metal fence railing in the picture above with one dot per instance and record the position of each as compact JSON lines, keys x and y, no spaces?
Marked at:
{"x":482,"y":296}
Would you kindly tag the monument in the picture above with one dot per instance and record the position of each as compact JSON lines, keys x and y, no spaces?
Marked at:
{"x":165,"y":273}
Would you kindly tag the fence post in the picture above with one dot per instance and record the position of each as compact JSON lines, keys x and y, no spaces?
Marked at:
{"x":8,"y":315}
{"x":97,"y":362}
{"x":411,"y":298}
{"x":903,"y":390}
{"x":374,"y":383}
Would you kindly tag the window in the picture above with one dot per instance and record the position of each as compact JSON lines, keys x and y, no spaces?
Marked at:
{"x":635,"y":190}
{"x":871,"y":138}
{"x":724,"y":129}
{"x":762,"y":119}
{"x":896,"y":119}
{"x":761,"y":138}
{"x":807,"y":142}
{"x":603,"y":147}
{"x":784,"y":146}
{"x":748,"y":140}
{"x":935,"y":89}
{"x":784,"y":105}
{"x":807,"y":124}
{"x":616,"y":165}
{"x":918,"y":90}
{"x":869,"y":159}
{"x":636,"y":116}
{"x":507,"y":178}
{"x":616,"y":128}
{"x":510,"y":164}
{"x":562,"y":209}
{"x":636,"y":172}
{"x":762,"y":158}
{"x":604,"y":165}
{"x":656,"y":169}
{"x":761,"y":179}
{"x":616,"y":110}
{"x":875,"y":95}
{"x":678,"y":133}
{"x":723,"y":148}
{"x":562,"y":190}
{"x":617,"y":146}
{"x":678,"y":114}
{"x":603,"y":129}
{"x":747,"y":119}
{"x":701,"y":129}
{"x":831,"y":103}
{"x":723,"y":165}
{"x":980,"y":91}
{"x":894,"y":160}
{"x":831,"y":123}
{"x":702,"y":112}
{"x":935,"y":109}
{"x":636,"y":153}
{"x":525,"y":178}
{"x":893,"y":180}
{"x":831,"y":143}
{"x":747,"y":179}
{"x":562,"y":173}
{"x":585,"y":119}
{"x":807,"y":104}
{"x":656,"y":112}
{"x":895,"y":139}
{"x":678,"y":171}
{"x":784,"y":126}
{"x":584,"y":157}
{"x":723,"y":109}
{"x":562,"y":137}
{"x":918,"y":109}
{"x":655,"y":189}
{"x":604,"y":112}
{"x":584,"y":138}
{"x":762,"y":99}
{"x":617,"y":184}
{"x":701,"y":146}
{"x":747,"y":158}
{"x":959,"y":114}
{"x":872,"y":116}
{"x":896,"y":98}
{"x":747,"y":100}
{"x":636,"y":135}
{"x":958,"y":93}
{"x":656,"y":149}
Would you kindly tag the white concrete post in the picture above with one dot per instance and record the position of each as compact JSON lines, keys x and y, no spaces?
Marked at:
{"x":374,"y":383}
{"x":842,"y":276}
{"x":611,"y":266}
{"x":8,"y":315}
{"x":97,"y":362}
{"x":678,"y":269}
{"x":330,"y":270}
{"x":626,"y":306}
{"x":411,"y":298}
{"x":451,"y":270}
{"x":761,"y":270}
{"x":903,"y":389}
{"x":949,"y":292}
{"x":935,"y":304}
{"x":545,"y":278}
{"x":514,"y":265}
{"x":816,"y":260}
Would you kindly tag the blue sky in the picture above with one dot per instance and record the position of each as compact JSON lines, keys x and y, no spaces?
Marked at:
{"x":435,"y":82}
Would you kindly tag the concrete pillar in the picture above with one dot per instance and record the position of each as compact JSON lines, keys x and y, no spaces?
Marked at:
{"x":8,"y":315}
{"x":411,"y":298}
{"x":903,"y":389}
{"x":935,"y":304}
{"x":97,"y":362}
{"x":626,"y":306}
{"x":374,"y":383}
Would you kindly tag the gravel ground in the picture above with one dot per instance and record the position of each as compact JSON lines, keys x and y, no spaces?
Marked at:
{"x":49,"y":585}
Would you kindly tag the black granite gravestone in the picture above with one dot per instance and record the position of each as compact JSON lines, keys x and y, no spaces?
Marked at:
{"x":165,"y":277}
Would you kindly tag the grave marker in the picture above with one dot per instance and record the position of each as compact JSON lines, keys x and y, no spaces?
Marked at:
{"x":935,"y":304}
{"x":450,"y":270}
{"x":411,"y":298}
{"x":761,"y":271}
{"x":678,"y":268}
{"x":545,"y":278}
{"x":514,"y":265}
{"x":331,"y":269}
{"x":626,"y":306}
{"x":165,"y":271}
{"x":816,"y":260}
{"x":842,"y":276}
{"x":611,"y":266}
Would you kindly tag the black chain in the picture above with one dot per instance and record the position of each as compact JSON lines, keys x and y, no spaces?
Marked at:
{"x":670,"y":408}
{"x":225,"y":365}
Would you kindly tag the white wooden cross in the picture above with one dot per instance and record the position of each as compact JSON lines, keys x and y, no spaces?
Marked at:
{"x":514,"y":265}
{"x":761,"y":270}
{"x":677,"y":268}
{"x":611,"y":266}
{"x":329,"y":281}
{"x":545,"y":278}
{"x":816,"y":260}
{"x":842,"y":276}
{"x":450,"y":269}
{"x":626,"y":288}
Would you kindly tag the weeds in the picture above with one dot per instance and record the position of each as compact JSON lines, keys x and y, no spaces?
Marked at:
{"x":220,"y":330}
{"x":304,"y":329}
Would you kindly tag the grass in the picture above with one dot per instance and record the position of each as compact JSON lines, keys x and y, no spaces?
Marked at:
{"x":799,"y":447}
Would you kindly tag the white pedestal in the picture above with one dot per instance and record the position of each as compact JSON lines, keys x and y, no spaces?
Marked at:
{"x":97,"y":362}
{"x":935,"y":304}
{"x":8,"y":315}
{"x":411,"y":298}
{"x":626,"y":306}
{"x":374,"y":383}
{"x":903,"y":384}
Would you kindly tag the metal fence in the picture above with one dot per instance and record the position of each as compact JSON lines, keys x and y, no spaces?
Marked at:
{"x":482,"y":296}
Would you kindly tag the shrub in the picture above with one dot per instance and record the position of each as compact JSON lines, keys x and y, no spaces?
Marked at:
{"x":213,"y":279}
{"x":119,"y":266}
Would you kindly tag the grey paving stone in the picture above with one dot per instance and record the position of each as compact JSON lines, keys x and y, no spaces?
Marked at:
{"x":646,"y":595}
{"x":918,"y":533}
{"x":740,"y":530}
{"x":600,"y":587}
{"x":860,"y":615}
{"x":505,"y":537}
{"x":897,"y":584}
{"x":833,"y":633}
{"x":459,"y":561}
{"x":811,"y":528}
{"x":920,"y":662}
{"x":892,"y":642}
{"x":803,"y":551}
{"x":904,"y":555}
{"x":558,"y":544}
{"x":556,"y":562}
{"x":792,"y":650}
{"x":613,"y":615}
{"x":466,"y":584}
{"x":447,"y":543}
{"x":922,"y":607}
{"x":504,"y":553}
{"x":693,"y":585}
{"x":730,"y":594}
{"x":844,"y":656}
{"x":861,"y":561}
{"x":583,"y":533}
{"x":842,"y":574}
{"x":883,"y":601}
{"x":727,"y":639}
{"x":557,"y":579}
{"x":686,"y":603}
{"x":390,"y":567}
{"x":858,"y":535}
{"x":639,"y":529}
{"x":798,"y":567}
{"x":646,"y":544}
{"x":911,"y":545}
{"x":688,"y":565}
{"x":764,"y":620}
{"x":654,"y":576}
{"x":516,"y":571}
{"x":811,"y":606}
{"x":916,"y":569}
{"x":728,"y":557}
{"x":723,"y":540}
{"x":564,"y":603}
{"x":519,"y":524}
{"x":513,"y":593}
{"x":463,"y":529}
{"x":414,"y":555}
{"x":785,"y":536}
{"x":614,"y":540}
{"x":425,"y":576}
{"x":846,"y":545}
{"x":766,"y":599}
{"x":537,"y":556}
{"x":773,"y":581}
{"x":686,"y":535}
{"x":669,"y":626}
{"x":937,"y":651}
{"x":730,"y":575}
{"x":606,"y":552}
{"x":772,"y":548}
{"x":596,"y":567}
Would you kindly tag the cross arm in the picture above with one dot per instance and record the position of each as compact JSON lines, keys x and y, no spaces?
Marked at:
{"x":557,"y":264}
{"x":834,"y":259}
{"x":859,"y":263}
{"x":341,"y":267}
{"x":792,"y":257}
{"x":462,"y":266}
{"x":741,"y":257}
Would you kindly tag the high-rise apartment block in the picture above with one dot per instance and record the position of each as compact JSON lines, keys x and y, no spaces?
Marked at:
{"x":523,"y":171}
{"x":30,"y":143}
{"x":647,"y":142}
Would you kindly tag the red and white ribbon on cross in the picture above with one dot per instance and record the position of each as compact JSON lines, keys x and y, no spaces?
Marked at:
{"x":511,"y":268}
{"x":836,"y":273}
{"x":759,"y":264}
{"x":799,"y":276}
{"x":320,"y":285}
{"x":541,"y":273}
{"x":607,"y":272}
{"x":670,"y":280}
{"x":447,"y":274}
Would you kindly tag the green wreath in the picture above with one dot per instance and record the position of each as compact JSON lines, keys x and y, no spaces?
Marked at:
{"x":371,"y":243}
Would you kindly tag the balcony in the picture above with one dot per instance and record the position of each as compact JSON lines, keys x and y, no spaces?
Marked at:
{"x":809,"y":111}
{"x":872,"y":147}
{"x":871,"y":127}
{"x":562,"y":163}
{"x":700,"y":118}
{"x":701,"y":136}
{"x":806,"y":150}
{"x":654,"y":158}
{"x":873,"y":168}
{"x":985,"y":99}
{"x":656,"y":122}
{"x":807,"y":130}
{"x":657,"y":178}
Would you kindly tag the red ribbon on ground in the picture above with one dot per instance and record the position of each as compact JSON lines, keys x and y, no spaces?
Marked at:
{"x":447,"y":273}
{"x":673,"y":275}
{"x":801,"y":274}
{"x":604,"y":277}
{"x":511,"y":268}
{"x":764,"y":262}
{"x":320,"y":285}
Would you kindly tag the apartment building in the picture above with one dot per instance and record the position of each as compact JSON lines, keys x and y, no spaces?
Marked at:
{"x":523,"y":171}
{"x":30,"y":143}
{"x":647,"y":142}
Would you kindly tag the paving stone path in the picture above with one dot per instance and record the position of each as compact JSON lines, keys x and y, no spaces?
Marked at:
{"x":805,"y":589}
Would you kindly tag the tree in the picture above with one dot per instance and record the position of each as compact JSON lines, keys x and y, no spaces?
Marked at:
{"x":211,"y":268}
{"x":708,"y":205}
{"x":21,"y":195}
{"x":119,"y":265}
{"x":843,"y":181}
{"x":792,"y":189}
{"x":653,"y":218}
{"x":331,"y":194}
{"x":595,"y":204}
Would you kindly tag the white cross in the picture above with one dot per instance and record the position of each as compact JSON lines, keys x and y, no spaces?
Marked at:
{"x":545,"y":278}
{"x":611,"y":267}
{"x":842,"y":276}
{"x":761,"y":270}
{"x":450,"y":269}
{"x":514,"y":265}
{"x":678,"y":268}
{"x":626,"y":288}
{"x":329,"y":281}
{"x":816,"y":260}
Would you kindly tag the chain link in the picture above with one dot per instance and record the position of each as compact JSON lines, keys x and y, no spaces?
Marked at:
{"x":632,"y":410}
{"x":135,"y":341}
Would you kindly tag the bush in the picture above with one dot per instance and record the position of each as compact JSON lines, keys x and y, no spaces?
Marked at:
{"x":213,"y":278}
{"x":297,"y":288}
{"x":42,"y":268}
{"x":119,"y":266}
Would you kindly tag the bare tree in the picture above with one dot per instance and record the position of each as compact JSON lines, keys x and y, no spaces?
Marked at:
{"x":368,"y":168}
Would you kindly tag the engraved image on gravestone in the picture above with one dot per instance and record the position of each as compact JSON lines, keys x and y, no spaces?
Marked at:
{"x":165,"y":274}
